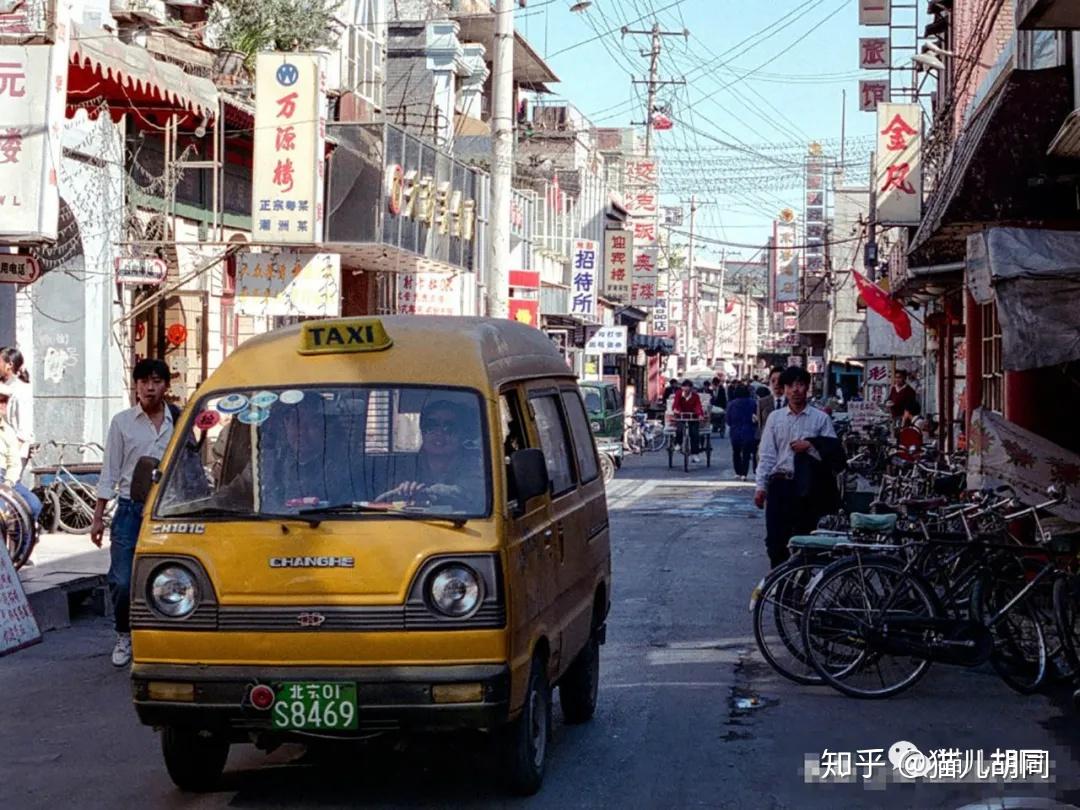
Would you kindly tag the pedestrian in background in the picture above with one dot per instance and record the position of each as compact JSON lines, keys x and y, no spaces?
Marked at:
{"x":902,"y":394}
{"x":13,"y":373}
{"x":143,"y":430}
{"x":791,"y":507}
{"x":10,"y":461}
{"x":742,"y":419}
{"x":688,"y":402}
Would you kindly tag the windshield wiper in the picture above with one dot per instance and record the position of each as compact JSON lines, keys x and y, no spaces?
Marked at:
{"x":360,"y":507}
{"x":243,"y":512}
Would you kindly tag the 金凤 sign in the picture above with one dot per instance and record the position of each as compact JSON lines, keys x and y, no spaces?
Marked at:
{"x":899,"y":164}
{"x":140,"y":271}
{"x":33,"y":92}
{"x":288,"y":283}
{"x":290,"y":147}
{"x":607,"y":340}
{"x":583,"y":277}
{"x":18,"y":269}
{"x":619,"y":256}
{"x":429,"y":294}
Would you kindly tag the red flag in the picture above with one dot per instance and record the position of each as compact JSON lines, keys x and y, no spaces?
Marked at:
{"x":884,"y":305}
{"x":661,"y":122}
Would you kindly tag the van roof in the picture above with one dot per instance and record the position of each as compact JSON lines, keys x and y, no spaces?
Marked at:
{"x":463,"y":351}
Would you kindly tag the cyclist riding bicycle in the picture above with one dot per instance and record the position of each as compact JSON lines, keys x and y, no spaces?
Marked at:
{"x":687,"y":402}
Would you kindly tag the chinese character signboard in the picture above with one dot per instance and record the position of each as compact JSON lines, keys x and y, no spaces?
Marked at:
{"x":673,"y":216}
{"x":18,"y":627}
{"x":645,"y":276}
{"x":642,"y":188}
{"x":290,"y":147}
{"x":873,"y":92}
{"x":874,"y":12}
{"x":287,"y":283}
{"x":785,"y":259}
{"x":429,"y":294}
{"x":899,"y":164}
{"x":583,"y":280}
{"x":33,"y":92}
{"x":619,"y":256}
{"x":18,"y":269}
{"x":140,"y":271}
{"x":875,"y":53}
{"x":607,"y":340}
{"x":525,"y":297}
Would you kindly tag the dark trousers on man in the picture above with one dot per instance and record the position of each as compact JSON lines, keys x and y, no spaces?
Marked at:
{"x":786,"y":514}
{"x":695,"y":434}
{"x":123,"y":533}
{"x":742,"y":451}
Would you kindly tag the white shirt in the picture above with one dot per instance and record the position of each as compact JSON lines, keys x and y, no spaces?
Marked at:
{"x":131,"y":436}
{"x":781,"y":429}
{"x":21,"y":414}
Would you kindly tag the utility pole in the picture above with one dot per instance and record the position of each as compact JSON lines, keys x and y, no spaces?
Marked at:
{"x":870,"y":250}
{"x":690,"y":298}
{"x":653,"y":82}
{"x":720,"y":309}
{"x":502,"y":163}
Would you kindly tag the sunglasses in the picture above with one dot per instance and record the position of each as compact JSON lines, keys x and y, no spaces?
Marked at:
{"x":431,"y":425}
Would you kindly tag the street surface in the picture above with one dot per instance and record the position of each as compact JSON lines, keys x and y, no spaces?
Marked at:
{"x":668,"y":733}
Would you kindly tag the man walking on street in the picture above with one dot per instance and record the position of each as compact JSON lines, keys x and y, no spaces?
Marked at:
{"x":143,"y":430}
{"x":789,"y":509}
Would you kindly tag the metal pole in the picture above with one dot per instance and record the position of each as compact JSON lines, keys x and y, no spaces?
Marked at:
{"x":843,"y":126}
{"x":502,"y":164}
{"x":689,"y":302}
{"x":653,"y":56}
{"x":871,"y":231}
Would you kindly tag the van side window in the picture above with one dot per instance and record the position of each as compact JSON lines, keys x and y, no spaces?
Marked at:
{"x":613,"y":400}
{"x":513,"y":435}
{"x":554,"y":442}
{"x":583,"y":440}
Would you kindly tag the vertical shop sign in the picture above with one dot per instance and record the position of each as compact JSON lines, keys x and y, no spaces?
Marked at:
{"x":33,"y":92}
{"x":873,"y":92}
{"x":618,"y":261}
{"x":642,"y":184}
{"x":290,"y":148}
{"x":785,"y":260}
{"x":583,"y":278}
{"x":874,"y":12}
{"x":875,"y":53}
{"x":899,"y":164}
{"x":525,"y":297}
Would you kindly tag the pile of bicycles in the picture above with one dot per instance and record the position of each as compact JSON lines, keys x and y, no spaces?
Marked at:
{"x":643,"y":435}
{"x":963,"y":579}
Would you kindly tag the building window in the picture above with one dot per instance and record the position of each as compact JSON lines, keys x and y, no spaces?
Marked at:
{"x":363,"y":52}
{"x":993,"y":376}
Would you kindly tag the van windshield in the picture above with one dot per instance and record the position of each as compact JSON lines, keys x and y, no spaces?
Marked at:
{"x":277,"y":451}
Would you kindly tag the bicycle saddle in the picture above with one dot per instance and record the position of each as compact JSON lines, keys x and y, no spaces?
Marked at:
{"x":861,"y":522}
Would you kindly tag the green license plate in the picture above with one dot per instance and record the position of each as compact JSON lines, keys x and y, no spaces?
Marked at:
{"x":315,"y":706}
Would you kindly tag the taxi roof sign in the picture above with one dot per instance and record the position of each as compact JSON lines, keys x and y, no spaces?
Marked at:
{"x":337,"y":337}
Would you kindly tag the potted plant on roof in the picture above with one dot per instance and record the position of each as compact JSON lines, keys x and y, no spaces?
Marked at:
{"x":241,"y":29}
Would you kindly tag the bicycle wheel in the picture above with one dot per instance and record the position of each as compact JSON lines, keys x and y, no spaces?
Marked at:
{"x":778,"y":613}
{"x":845,"y":613}
{"x":657,"y":442}
{"x":76,"y":509}
{"x":19,"y":535}
{"x":1020,"y":652}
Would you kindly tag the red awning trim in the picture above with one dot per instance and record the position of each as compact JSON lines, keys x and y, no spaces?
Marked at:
{"x":138,"y":75}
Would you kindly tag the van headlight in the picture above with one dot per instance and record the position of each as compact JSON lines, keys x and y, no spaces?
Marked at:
{"x":174,"y":592}
{"x":454,"y":590}
{"x":595,"y":427}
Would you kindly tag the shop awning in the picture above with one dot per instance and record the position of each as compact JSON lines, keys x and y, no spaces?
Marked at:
{"x":991,"y":167}
{"x":652,"y":344}
{"x":131,"y":79}
{"x":1034,"y":276}
{"x":530,"y":69}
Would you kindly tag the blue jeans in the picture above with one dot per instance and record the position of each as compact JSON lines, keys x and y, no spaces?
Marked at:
{"x":123,"y":533}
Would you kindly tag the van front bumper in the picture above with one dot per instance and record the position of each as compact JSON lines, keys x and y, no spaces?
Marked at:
{"x":389,"y":698}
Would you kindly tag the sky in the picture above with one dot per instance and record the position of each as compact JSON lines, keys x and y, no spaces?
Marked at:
{"x":763,"y":80}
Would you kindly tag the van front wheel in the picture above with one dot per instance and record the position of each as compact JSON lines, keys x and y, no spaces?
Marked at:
{"x":579,"y":686}
{"x":526,"y":740}
{"x":194,"y":762}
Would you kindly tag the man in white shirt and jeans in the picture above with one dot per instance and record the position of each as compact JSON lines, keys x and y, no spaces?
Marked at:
{"x":784,"y":437}
{"x":143,"y":430}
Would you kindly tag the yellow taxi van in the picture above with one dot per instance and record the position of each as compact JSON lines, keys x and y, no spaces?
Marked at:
{"x":373,"y":525}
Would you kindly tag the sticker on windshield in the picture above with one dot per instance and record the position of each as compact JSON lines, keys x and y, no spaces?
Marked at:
{"x":207,"y":419}
{"x":233,"y":403}
{"x":254,"y":416}
{"x":264,"y":399}
{"x":292,"y":396}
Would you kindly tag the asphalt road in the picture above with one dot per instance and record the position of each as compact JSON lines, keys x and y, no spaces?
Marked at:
{"x":669,"y":732}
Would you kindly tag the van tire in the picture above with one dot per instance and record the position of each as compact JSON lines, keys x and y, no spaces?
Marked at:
{"x":526,"y":739}
{"x":194,"y":762}
{"x":579,"y":686}
{"x":607,"y":467}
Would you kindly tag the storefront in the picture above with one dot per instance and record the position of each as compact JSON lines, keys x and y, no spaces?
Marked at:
{"x":409,"y":222}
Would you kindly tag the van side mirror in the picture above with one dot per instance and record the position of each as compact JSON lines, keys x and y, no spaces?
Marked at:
{"x":145,"y":476}
{"x":530,"y":473}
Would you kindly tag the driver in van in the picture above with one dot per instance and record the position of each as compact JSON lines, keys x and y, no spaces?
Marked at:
{"x":443,"y":473}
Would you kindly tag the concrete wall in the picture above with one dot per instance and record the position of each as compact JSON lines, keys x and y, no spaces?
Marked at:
{"x":847,"y":327}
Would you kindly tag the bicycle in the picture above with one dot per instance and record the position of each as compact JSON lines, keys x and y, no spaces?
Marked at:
{"x":70,"y":499}
{"x":882,"y":618}
{"x":642,"y":435}
{"x":15,"y":518}
{"x":685,"y":443}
